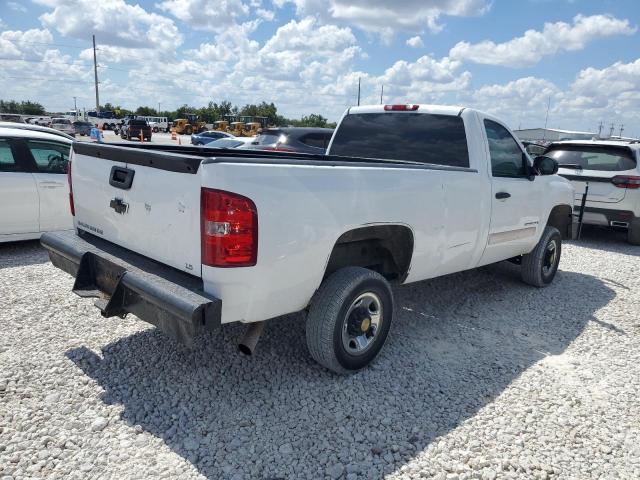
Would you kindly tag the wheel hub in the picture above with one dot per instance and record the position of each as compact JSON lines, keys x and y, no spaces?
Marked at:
{"x":361,"y":323}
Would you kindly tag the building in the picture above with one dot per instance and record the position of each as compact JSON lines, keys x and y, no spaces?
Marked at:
{"x":552,"y":134}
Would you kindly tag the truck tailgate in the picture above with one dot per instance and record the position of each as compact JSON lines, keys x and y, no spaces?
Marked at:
{"x":145,"y":201}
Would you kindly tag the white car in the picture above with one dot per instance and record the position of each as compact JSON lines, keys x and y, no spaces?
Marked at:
{"x":34,"y":192}
{"x":611,"y":169}
{"x":190,"y":238}
{"x":63,"y":125}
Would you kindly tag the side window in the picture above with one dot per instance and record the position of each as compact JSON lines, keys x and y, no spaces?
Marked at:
{"x":8,"y":162}
{"x":318,"y":140}
{"x":50,"y":157}
{"x":506,"y":157}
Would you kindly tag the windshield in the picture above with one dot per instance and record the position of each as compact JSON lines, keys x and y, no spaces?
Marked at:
{"x":225,"y":143}
{"x":418,"y":137}
{"x":602,"y":158}
{"x":61,"y":121}
{"x":269,"y":138}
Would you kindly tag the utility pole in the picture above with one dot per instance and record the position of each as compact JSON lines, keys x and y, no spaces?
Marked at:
{"x":358,"y":91}
{"x":621,"y":129}
{"x":381,"y":93}
{"x":95,"y":74}
{"x":158,"y":108}
{"x":546,"y":117}
{"x":611,"y":130}
{"x":75,"y":106}
{"x":600,"y":129}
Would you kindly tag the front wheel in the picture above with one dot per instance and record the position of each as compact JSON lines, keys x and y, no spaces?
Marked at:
{"x":540,"y":266}
{"x":349,"y":319}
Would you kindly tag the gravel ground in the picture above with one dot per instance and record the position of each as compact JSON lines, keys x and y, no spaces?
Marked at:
{"x":483,"y":377}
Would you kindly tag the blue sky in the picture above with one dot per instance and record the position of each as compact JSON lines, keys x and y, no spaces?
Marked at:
{"x":507,"y":57}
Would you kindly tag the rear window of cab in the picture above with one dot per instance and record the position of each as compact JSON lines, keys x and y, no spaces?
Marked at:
{"x":418,"y":137}
{"x":603,"y":158}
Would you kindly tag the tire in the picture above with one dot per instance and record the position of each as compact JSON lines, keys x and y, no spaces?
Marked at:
{"x":540,"y":266}
{"x":155,"y":129}
{"x":633,"y":232}
{"x":188,"y":130}
{"x":341,"y":310}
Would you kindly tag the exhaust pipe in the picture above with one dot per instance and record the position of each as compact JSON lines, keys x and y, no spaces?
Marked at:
{"x":620,"y":224}
{"x":250,"y":338}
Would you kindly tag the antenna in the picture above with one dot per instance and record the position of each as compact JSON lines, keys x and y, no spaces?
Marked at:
{"x":546,"y":117}
{"x":95,"y":73}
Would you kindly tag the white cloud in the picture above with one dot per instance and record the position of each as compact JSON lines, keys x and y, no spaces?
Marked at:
{"x":114,"y":22}
{"x":15,"y":6}
{"x":415,"y":42}
{"x":386,"y":18}
{"x":268,"y":15}
{"x":204,"y":14}
{"x":530,"y":48}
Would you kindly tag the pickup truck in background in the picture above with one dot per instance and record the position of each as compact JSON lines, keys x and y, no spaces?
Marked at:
{"x":132,"y":128}
{"x":189,"y":238}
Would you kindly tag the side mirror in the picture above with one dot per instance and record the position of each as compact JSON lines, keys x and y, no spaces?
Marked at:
{"x":544,"y":165}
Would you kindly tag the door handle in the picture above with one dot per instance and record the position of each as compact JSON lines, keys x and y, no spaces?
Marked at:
{"x":51,"y":184}
{"x":502,"y":195}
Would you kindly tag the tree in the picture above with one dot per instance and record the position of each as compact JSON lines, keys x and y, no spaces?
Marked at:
{"x":313,"y":120}
{"x":147,"y":112}
{"x":24,"y":108}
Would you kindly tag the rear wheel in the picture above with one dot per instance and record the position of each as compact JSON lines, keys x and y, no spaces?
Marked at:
{"x":633,"y":232}
{"x":349,"y":319}
{"x":188,"y":130}
{"x":540,"y":266}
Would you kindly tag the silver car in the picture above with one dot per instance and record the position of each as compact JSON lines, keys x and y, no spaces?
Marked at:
{"x":63,"y":125}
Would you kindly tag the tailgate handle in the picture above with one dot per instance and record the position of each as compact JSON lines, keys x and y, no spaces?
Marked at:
{"x":121,"y":177}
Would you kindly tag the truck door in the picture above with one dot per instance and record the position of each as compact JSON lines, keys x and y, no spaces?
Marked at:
{"x":515,"y":211}
{"x":18,"y":194}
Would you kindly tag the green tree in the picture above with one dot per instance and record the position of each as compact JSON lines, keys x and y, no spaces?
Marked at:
{"x":24,"y":108}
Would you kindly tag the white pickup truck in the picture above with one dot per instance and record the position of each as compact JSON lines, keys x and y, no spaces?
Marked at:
{"x":188,"y":238}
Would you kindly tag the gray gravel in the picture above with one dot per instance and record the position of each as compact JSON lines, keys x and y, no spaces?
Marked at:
{"x":483,"y":377}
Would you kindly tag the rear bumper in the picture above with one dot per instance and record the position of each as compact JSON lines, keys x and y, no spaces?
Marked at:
{"x":605,"y":216}
{"x":125,"y":282}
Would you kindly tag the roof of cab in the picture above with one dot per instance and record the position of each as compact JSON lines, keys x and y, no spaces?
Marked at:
{"x":32,"y":134}
{"x":422,"y":108}
{"x":608,"y":143}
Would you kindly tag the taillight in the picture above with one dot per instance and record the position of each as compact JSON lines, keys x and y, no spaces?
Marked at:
{"x":626,"y":181}
{"x":229,"y":229}
{"x":71,"y":205}
{"x":401,"y":108}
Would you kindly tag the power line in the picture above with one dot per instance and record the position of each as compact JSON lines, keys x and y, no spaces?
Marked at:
{"x":51,"y":44}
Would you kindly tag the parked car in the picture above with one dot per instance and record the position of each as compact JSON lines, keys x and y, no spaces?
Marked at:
{"x":405,"y":193}
{"x":36,"y":128}
{"x":82,"y":128}
{"x":231,"y":142}
{"x":34,"y":193}
{"x":206,"y":137}
{"x":11,"y":117}
{"x":63,"y":125}
{"x":293,"y":139}
{"x":612,"y":172}
{"x":131,"y":128}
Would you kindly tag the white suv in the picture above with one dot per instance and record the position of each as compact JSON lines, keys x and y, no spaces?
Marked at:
{"x":612,"y":171}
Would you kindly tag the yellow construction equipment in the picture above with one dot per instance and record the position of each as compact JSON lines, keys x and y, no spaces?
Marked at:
{"x":237,"y":129}
{"x":221,"y":126}
{"x":252,"y":129}
{"x":189,"y":125}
